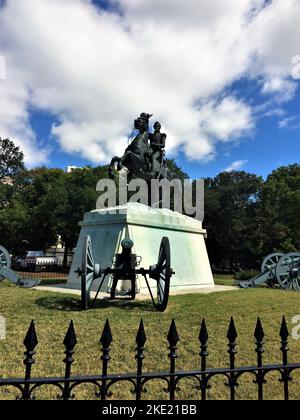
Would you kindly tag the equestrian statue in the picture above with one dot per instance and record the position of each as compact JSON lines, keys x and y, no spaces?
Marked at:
{"x":145,"y":157}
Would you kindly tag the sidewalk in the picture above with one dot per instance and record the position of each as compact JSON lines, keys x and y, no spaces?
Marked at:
{"x":64,"y":288}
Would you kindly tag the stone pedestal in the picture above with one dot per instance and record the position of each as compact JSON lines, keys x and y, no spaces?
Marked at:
{"x":146,"y":227}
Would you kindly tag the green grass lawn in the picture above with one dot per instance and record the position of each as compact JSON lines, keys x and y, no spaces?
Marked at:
{"x":224,"y":279}
{"x":53,"y":312}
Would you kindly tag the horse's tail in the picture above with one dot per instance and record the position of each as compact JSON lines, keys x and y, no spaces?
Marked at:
{"x":111,"y":167}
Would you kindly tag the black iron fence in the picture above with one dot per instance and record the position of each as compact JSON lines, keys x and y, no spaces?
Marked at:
{"x":46,"y":277}
{"x":60,"y":275}
{"x":104,"y":383}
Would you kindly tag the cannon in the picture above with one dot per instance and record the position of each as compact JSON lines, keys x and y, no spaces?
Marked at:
{"x":7,"y":273}
{"x":125,"y":266}
{"x":277,"y":270}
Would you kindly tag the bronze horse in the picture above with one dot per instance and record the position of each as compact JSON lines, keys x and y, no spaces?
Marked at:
{"x":137,"y":156}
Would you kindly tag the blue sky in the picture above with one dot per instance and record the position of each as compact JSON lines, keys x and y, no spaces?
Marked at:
{"x":223,"y":79}
{"x":264,"y":150}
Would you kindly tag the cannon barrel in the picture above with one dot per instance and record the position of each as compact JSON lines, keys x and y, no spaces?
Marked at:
{"x":127,"y":244}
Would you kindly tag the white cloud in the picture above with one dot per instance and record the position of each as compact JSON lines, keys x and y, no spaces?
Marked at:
{"x":276,"y":112}
{"x":96,"y":70}
{"x":290,"y":123}
{"x":283,"y":89}
{"x":14,"y":118}
{"x":2,"y":68}
{"x":295,"y":72}
{"x":236,"y":165}
{"x":226,"y":120}
{"x":275,"y":37}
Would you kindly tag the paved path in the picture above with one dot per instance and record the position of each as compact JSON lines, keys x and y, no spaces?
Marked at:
{"x":63,"y":288}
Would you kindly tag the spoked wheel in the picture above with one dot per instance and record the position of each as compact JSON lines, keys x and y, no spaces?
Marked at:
{"x":90,"y":271}
{"x":5,"y":260}
{"x":269,"y":264}
{"x":162,"y":273}
{"x":288,"y":271}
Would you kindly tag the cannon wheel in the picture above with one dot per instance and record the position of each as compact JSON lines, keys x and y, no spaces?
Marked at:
{"x":5,"y":260}
{"x":269,"y":264}
{"x":271,"y":261}
{"x":88,"y":273}
{"x":288,"y":271}
{"x":162,"y":274}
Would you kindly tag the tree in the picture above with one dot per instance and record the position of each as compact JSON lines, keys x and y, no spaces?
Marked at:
{"x":81,"y":197}
{"x":12,"y":211}
{"x":280,"y":213}
{"x":13,"y":220}
{"x":176,"y":170}
{"x":41,"y":192}
{"x":231,"y":219}
{"x":11,"y":159}
{"x":46,"y":206}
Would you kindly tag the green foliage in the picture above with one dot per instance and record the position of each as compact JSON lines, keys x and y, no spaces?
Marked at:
{"x":45,"y":205}
{"x":246,"y":275}
{"x":11,"y":159}
{"x":13,"y":220}
{"x":80,"y":196}
{"x":176,"y":170}
{"x":280,"y":199}
{"x":43,"y":197}
{"x":247,"y":218}
{"x":231,"y":212}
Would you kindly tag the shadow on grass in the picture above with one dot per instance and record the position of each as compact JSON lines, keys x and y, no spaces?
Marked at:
{"x":50,"y":282}
{"x":126,"y":304}
{"x":65,"y":304}
{"x":71,"y":304}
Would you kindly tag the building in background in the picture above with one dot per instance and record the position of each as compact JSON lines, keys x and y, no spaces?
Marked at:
{"x":72,"y":168}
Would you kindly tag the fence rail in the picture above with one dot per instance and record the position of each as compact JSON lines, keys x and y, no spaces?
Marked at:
{"x":45,"y":276}
{"x":104,"y":383}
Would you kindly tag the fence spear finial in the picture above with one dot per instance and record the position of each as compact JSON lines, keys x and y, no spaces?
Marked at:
{"x":232,"y":333}
{"x":284,"y":332}
{"x":141,"y":335}
{"x":106,"y":337}
{"x":203,"y":335}
{"x":31,"y":341}
{"x":173,"y":336}
{"x":70,"y":340}
{"x":259,"y":332}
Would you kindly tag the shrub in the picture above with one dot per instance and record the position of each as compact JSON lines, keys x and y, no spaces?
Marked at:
{"x":245,"y":275}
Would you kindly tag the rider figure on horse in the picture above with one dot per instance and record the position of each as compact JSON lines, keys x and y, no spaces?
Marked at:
{"x":157,"y":145}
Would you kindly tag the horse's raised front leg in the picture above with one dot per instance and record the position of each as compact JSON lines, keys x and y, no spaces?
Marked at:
{"x":111,"y":167}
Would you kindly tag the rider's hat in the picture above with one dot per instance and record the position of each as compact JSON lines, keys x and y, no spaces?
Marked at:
{"x":145,"y":116}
